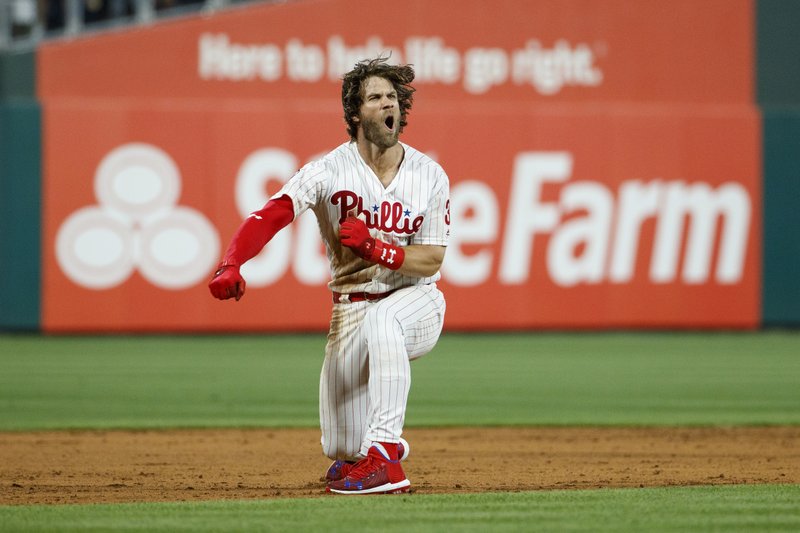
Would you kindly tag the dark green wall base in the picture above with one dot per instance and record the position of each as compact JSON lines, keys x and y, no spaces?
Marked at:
{"x":778,"y":94}
{"x":781,"y":292}
{"x":20,"y":219}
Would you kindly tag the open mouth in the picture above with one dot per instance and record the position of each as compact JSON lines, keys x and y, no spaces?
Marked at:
{"x":389,"y":122}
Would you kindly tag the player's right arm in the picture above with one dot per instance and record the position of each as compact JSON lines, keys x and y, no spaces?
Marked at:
{"x":298,"y":194}
{"x":253,"y":234}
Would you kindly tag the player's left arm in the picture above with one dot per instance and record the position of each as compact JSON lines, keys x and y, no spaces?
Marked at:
{"x":422,"y":260}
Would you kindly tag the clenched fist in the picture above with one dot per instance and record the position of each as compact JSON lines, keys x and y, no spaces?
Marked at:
{"x":227,"y":283}
{"x":354,"y":234}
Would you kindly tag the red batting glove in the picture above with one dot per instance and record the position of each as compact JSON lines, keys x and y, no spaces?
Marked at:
{"x":227,"y":283}
{"x":355,"y":235}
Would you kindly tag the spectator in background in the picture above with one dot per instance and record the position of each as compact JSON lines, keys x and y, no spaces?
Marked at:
{"x":53,"y":13}
{"x":95,"y":11}
{"x":22,"y":15}
{"x":167,"y":4}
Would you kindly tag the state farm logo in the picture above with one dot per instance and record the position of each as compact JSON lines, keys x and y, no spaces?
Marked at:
{"x":594,"y":234}
{"x":137,"y":225}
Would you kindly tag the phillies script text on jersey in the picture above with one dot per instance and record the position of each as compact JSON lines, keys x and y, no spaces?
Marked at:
{"x":389,"y":217}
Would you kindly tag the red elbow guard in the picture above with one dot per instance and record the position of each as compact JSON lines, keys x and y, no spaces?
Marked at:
{"x":258,"y":229}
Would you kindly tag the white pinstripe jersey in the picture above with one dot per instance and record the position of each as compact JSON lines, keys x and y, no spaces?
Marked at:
{"x":413,"y":209}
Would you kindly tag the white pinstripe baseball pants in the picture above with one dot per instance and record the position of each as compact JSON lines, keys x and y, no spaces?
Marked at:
{"x":366,"y":375}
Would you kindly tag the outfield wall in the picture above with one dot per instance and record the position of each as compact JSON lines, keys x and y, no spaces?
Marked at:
{"x":606,"y":162}
{"x":20,"y":194}
{"x":779,"y":98}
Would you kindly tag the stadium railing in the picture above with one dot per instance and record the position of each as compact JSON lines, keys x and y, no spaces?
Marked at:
{"x":25,"y":23}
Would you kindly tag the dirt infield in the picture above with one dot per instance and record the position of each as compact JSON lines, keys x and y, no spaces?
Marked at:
{"x":187,"y":465}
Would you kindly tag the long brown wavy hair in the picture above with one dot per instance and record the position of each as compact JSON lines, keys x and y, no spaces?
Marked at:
{"x":400,"y":76}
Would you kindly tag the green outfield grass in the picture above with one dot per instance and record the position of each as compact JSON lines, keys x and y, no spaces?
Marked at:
{"x":54,"y":382}
{"x":488,"y":379}
{"x":726,"y":508}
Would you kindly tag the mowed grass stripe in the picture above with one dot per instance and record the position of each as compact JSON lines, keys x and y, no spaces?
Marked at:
{"x":721,"y":378}
{"x":720,"y":508}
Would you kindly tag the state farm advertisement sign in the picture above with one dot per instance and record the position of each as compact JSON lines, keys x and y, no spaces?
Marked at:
{"x":588,"y":188}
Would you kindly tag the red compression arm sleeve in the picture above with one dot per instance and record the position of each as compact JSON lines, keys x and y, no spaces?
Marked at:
{"x":258,"y":229}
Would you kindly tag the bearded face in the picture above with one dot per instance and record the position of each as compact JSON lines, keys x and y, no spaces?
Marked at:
{"x":382,"y":133}
{"x":379,"y":115}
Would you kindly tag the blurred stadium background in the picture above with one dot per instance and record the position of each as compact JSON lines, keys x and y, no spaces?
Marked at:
{"x":614,"y":164}
{"x":23,"y":23}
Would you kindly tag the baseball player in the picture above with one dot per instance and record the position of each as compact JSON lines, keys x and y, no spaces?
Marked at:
{"x":383,"y":214}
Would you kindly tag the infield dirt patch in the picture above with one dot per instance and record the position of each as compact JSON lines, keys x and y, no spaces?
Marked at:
{"x":187,"y":465}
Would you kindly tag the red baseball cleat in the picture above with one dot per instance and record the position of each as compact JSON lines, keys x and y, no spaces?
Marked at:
{"x":375,"y":474}
{"x":339,"y":468}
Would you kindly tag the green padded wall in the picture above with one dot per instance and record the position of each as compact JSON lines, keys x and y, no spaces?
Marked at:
{"x":20,"y":194}
{"x":778,"y":89}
